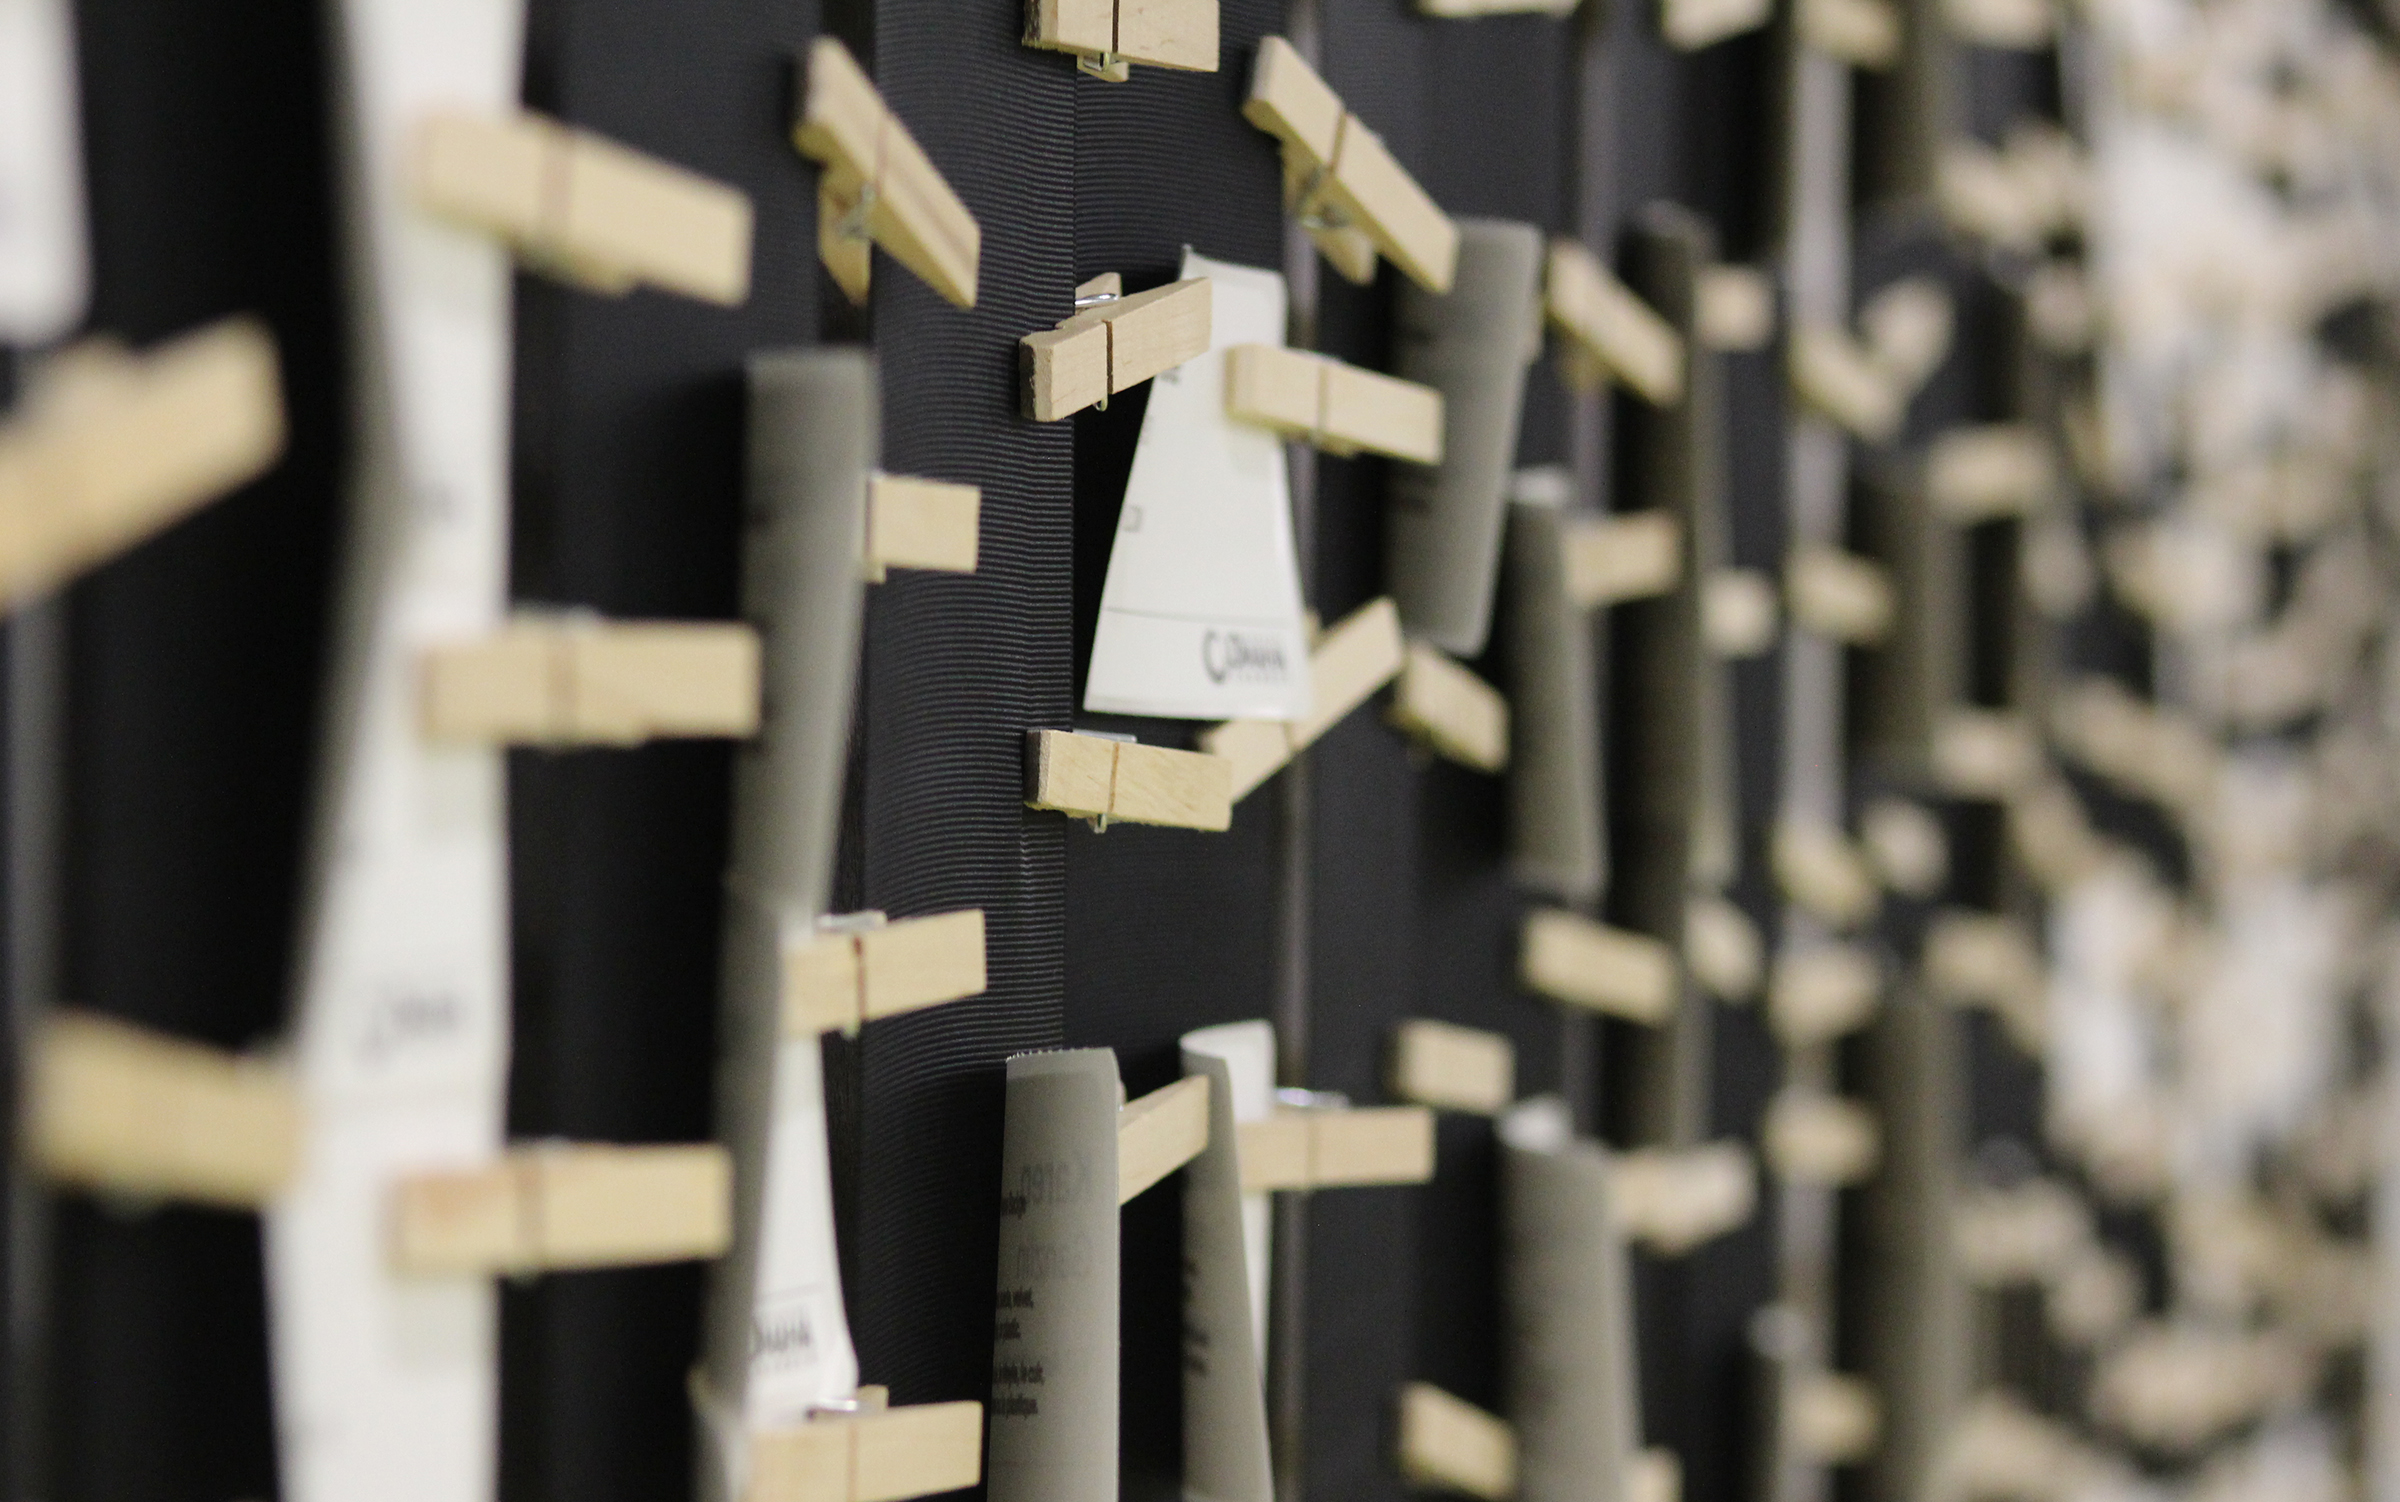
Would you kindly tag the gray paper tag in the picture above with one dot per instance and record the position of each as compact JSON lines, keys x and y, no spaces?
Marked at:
{"x":1473,"y":345}
{"x":1053,"y":1419}
{"x":1571,"y":1388}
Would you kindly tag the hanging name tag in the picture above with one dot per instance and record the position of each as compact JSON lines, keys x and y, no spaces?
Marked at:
{"x":1200,"y":616}
{"x":45,"y":277}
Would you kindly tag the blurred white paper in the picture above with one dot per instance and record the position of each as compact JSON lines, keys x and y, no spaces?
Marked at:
{"x":44,"y":277}
{"x":1200,"y":617}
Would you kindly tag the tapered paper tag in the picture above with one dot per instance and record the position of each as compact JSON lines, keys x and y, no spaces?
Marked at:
{"x":44,"y":273}
{"x":1200,"y":616}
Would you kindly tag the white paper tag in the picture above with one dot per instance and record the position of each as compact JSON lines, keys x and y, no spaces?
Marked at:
{"x":386,"y":1387}
{"x":1248,"y":1049}
{"x":1225,"y":1454}
{"x":45,"y":276}
{"x":1200,"y":616}
{"x":800,"y":1351}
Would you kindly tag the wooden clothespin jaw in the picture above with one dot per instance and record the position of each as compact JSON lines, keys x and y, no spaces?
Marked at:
{"x":858,"y":968}
{"x":870,"y":1452}
{"x":1673,"y":1199}
{"x":1839,"y":594}
{"x":1585,"y":963}
{"x":1104,"y":779}
{"x":1452,"y":1068}
{"x":1359,"y":655}
{"x":1631,"y":556}
{"x":1342,"y":183}
{"x":878,"y":187}
{"x":926,"y":524}
{"x":109,"y":448}
{"x":597,"y":214}
{"x":562,"y":1206}
{"x":1333,"y":405}
{"x":1329,"y":1144}
{"x":1610,"y":331}
{"x":1814,"y":1138}
{"x":1108,"y":36}
{"x":1447,"y":709}
{"x":1111,"y":343}
{"x":574,"y":680}
{"x":1160,"y":1133}
{"x":113,"y":1107}
{"x":1450,"y":1444}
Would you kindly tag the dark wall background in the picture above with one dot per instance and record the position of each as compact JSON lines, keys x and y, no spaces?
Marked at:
{"x":1366,"y":881}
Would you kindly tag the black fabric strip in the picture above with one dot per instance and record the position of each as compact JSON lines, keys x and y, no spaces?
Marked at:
{"x":1166,"y":930}
{"x":629,"y":452}
{"x":194,"y":666}
{"x":958,"y":668}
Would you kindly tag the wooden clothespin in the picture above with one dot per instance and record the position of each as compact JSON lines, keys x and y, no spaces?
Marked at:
{"x":1985,"y":959}
{"x":1831,"y":1419}
{"x":1160,"y":1133}
{"x":1673,"y":1199}
{"x":1739,"y":614}
{"x":1342,"y":182}
{"x":1735,"y":305}
{"x":558,"y":1206}
{"x":1450,"y":1444}
{"x":1862,"y":33}
{"x":1839,"y":378}
{"x":925,"y":524}
{"x":1352,"y":661}
{"x":1819,"y":868}
{"x":1586,"y":963}
{"x":1450,"y":710}
{"x":1838,"y":594}
{"x":1630,"y":556}
{"x":1722,"y":947}
{"x":1611,"y":331}
{"x":878,"y":187}
{"x":2016,"y":25}
{"x":571,"y":680}
{"x":852,"y":974}
{"x":1978,"y":472}
{"x":1655,"y":1475}
{"x":1337,"y":1148}
{"x":1452,"y":1068}
{"x":1984,"y":753}
{"x":1108,"y":781}
{"x":598,"y":214}
{"x":110,"y":448}
{"x":1107,"y":36}
{"x":1462,"y":9}
{"x":1112,"y":343}
{"x":1817,"y":994}
{"x":1906,"y":844}
{"x":881,"y":1454}
{"x":1689,"y":25}
{"x":1338,"y":407}
{"x":1813,"y":1138}
{"x":118,"y":1108}
{"x":1909,"y":325}
{"x":2018,"y":196}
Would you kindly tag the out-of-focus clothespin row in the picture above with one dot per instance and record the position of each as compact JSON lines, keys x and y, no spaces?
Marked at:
{"x":599,"y":214}
{"x":110,"y":447}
